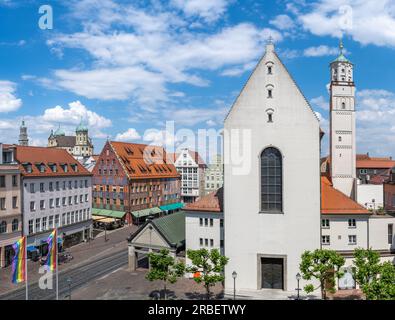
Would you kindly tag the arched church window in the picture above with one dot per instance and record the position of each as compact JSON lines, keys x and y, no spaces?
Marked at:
{"x":269,"y":113}
{"x":271,"y":180}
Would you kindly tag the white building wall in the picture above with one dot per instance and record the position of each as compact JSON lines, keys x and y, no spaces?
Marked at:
{"x":339,"y":230}
{"x":378,"y":232}
{"x":47,"y":212}
{"x":194,"y":231}
{"x":191,"y":175}
{"x":295,"y":132}
{"x":371,"y":196}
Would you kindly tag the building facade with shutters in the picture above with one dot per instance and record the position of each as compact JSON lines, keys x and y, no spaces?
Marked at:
{"x":10,"y":205}
{"x":57,"y":193}
{"x":135,"y":179}
{"x":274,"y":135}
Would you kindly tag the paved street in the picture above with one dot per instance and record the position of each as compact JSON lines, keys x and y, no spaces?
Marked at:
{"x":83,"y":254}
{"x":125,"y":285}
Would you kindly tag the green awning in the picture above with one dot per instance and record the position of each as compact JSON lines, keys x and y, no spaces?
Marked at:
{"x":146,"y":212}
{"x":172,"y":206}
{"x":108,"y":213}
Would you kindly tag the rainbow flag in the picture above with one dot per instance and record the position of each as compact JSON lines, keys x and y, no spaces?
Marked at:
{"x":52,"y":250}
{"x":18,"y":263}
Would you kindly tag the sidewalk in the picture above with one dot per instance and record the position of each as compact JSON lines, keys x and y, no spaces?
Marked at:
{"x":82,"y":253}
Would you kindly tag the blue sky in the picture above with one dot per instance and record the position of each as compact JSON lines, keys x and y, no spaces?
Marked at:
{"x":126,"y":67}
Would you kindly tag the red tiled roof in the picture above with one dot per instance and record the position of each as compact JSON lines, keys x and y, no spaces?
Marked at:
{"x":213,"y":202}
{"x":144,"y":161}
{"x":47,"y":156}
{"x":364,"y":161}
{"x":335,"y":202}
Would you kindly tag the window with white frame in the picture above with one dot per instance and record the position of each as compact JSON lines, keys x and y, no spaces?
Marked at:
{"x":352,"y":239}
{"x":325,"y":240}
{"x":352,"y":223}
{"x":325,"y":223}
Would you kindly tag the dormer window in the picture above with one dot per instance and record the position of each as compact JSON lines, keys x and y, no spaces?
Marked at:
{"x":64,"y":167}
{"x":28,"y":167}
{"x":74,"y":167}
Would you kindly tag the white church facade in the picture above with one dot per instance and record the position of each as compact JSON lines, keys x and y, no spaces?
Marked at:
{"x":277,"y":203}
{"x":272,"y":200}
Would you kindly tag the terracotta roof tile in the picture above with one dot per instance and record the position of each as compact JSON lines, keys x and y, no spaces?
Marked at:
{"x":213,"y":202}
{"x":144,"y":161}
{"x":335,"y":202}
{"x":47,"y":157}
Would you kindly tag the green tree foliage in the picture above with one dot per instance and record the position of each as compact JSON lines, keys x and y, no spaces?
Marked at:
{"x":376,"y":280}
{"x":210,"y":265}
{"x":382,"y":287}
{"x":164,"y":267}
{"x":323,"y":265}
{"x":366,"y":266}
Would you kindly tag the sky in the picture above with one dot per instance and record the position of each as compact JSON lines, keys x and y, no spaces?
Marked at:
{"x":126,"y":68}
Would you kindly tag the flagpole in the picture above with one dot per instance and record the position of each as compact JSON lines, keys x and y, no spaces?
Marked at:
{"x":57,"y":264}
{"x":27,"y":286}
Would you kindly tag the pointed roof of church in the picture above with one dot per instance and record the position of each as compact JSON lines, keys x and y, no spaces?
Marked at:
{"x":270,"y":48}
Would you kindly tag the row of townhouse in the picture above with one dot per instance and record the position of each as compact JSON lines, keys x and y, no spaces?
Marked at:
{"x":42,"y":189}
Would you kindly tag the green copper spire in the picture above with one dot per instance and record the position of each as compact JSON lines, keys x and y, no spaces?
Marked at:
{"x":341,"y":57}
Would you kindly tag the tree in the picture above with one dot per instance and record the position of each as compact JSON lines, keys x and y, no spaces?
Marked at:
{"x":382,"y":287}
{"x":323,"y":265}
{"x":210,"y":266}
{"x":377,"y":281}
{"x":366,"y":266}
{"x":165,"y":268}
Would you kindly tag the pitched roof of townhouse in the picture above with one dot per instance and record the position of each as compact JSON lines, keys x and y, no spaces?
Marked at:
{"x":171,"y":227}
{"x":367,"y":162}
{"x":213,"y":202}
{"x":364,"y":161}
{"x":47,"y":156}
{"x":144,"y":161}
{"x":334,"y":201}
{"x":194,"y":155}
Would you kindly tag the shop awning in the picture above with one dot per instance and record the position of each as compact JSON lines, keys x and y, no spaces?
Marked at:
{"x":103,"y":219}
{"x":172,"y":206}
{"x":146,"y":212}
{"x":108,"y":213}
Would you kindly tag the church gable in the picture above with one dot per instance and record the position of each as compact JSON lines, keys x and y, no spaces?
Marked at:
{"x":271,"y":93}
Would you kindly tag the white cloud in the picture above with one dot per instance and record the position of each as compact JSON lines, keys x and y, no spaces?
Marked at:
{"x":129,"y":135}
{"x":282,"y":22}
{"x":74,"y":114}
{"x":8,"y":101}
{"x":321,"y":51}
{"x":193,"y":116}
{"x":320,"y":102}
{"x":162,"y":138}
{"x":375,"y":118}
{"x":366,"y":21}
{"x":209,"y":10}
{"x":136,"y":53}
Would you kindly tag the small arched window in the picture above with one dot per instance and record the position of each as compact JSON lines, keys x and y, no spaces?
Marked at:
{"x":343,"y":105}
{"x":3,"y":227}
{"x":15,"y":224}
{"x":340,"y":139}
{"x":270,"y":93}
{"x":269,"y":70}
{"x":271,"y":180}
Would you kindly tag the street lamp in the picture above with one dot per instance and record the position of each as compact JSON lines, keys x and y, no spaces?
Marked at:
{"x":298,"y":277}
{"x":69,"y":284}
{"x":234,"y":276}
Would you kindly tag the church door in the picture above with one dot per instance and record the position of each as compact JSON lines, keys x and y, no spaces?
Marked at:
{"x":272,"y":273}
